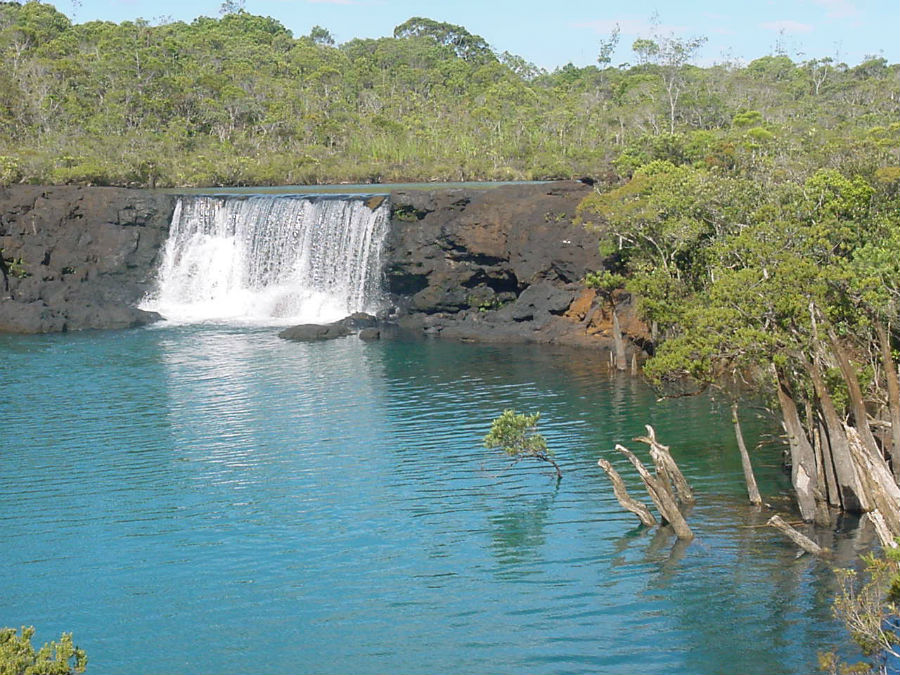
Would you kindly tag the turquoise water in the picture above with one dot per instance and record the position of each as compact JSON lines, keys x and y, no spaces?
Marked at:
{"x":215,"y":500}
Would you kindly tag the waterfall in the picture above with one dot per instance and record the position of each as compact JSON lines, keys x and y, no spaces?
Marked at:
{"x":270,"y":260}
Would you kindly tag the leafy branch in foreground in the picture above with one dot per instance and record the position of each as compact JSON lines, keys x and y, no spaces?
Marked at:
{"x":517,"y":435}
{"x":867,"y":604}
{"x":18,"y":657}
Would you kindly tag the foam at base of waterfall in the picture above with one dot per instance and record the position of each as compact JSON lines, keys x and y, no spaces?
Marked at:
{"x":269,"y":261}
{"x":276,"y":306}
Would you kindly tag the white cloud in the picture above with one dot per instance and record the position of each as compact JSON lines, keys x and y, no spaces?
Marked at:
{"x":787,"y":26}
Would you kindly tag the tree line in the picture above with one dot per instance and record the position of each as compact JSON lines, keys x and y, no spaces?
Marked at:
{"x":239,"y":100}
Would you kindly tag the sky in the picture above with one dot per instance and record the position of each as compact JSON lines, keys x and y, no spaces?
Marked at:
{"x":552,"y":34}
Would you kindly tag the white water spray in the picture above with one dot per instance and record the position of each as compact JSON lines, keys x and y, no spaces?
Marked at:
{"x":270,"y":260}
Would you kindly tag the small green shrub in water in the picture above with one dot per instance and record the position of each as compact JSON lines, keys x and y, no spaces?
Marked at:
{"x":517,"y":435}
{"x":18,"y":657}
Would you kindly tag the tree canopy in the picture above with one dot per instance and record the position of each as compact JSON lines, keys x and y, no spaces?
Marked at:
{"x":239,"y":100}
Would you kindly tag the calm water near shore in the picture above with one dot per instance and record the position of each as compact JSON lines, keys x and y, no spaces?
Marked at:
{"x":206,"y":499}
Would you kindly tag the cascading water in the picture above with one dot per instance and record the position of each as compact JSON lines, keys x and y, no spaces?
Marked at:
{"x":270,"y":260}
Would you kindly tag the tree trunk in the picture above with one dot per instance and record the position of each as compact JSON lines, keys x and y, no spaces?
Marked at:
{"x":621,"y":363}
{"x":749,"y":478}
{"x":857,"y":402}
{"x":801,"y":540}
{"x":893,"y":388}
{"x":882,"y":492}
{"x":887,"y":539}
{"x":667,"y":470}
{"x":621,"y":492}
{"x":548,"y":459}
{"x":853,"y":498}
{"x":824,"y":457}
{"x":803,"y":460}
{"x":824,"y":462}
{"x":664,"y":500}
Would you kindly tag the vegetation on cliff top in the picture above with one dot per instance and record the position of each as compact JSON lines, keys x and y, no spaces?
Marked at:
{"x":239,"y":100}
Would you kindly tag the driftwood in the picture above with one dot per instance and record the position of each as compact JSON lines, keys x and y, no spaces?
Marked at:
{"x":661,"y":495}
{"x":621,"y":492}
{"x":799,"y":539}
{"x":667,"y":470}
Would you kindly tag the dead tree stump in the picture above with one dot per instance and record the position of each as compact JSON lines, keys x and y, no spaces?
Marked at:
{"x":621,"y":492}
{"x":661,"y":495}
{"x":667,"y":470}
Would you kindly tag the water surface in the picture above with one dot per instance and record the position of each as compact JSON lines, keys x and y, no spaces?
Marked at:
{"x":206,"y":499}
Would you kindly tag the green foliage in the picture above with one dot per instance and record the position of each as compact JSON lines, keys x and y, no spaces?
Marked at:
{"x":605,"y":281}
{"x":18,"y":656}
{"x":517,"y":435}
{"x":238,"y":100}
{"x":10,"y":172}
{"x":867,"y":604}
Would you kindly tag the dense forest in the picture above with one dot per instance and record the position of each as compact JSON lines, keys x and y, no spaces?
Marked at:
{"x":238,"y":100}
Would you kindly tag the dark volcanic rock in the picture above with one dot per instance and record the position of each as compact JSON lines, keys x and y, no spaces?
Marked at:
{"x":503,"y":238}
{"x":73,"y":258}
{"x":310,"y":332}
{"x":540,"y":300}
{"x":500,"y":265}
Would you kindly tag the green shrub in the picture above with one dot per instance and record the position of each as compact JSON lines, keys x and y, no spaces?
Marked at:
{"x":18,"y":657}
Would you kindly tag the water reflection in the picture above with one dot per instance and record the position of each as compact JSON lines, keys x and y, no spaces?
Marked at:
{"x":517,"y":534}
{"x":329,"y":507}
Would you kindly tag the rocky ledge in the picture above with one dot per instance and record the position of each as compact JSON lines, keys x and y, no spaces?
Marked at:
{"x":74,"y":258}
{"x":504,"y":264}
{"x":501,"y":265}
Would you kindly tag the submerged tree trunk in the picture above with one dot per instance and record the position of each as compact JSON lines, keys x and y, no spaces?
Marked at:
{"x":882,"y":492}
{"x":749,"y":478}
{"x":803,"y":460}
{"x":885,"y":536}
{"x":621,"y":363}
{"x":799,"y":539}
{"x":662,"y":498}
{"x":621,"y":492}
{"x":824,"y":458}
{"x":853,"y":498}
{"x":893,"y":388}
{"x":666,"y":468}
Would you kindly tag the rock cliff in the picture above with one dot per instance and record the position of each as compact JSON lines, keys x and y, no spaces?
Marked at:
{"x":501,"y":264}
{"x":75,"y":258}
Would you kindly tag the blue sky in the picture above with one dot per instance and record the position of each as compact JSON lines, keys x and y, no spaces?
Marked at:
{"x":551,"y":34}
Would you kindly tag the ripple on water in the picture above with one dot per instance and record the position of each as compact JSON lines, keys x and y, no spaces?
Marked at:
{"x":271,"y":506}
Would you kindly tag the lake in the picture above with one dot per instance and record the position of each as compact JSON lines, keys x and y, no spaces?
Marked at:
{"x":211,"y":499}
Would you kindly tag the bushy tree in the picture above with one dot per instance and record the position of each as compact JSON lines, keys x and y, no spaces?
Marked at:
{"x":517,"y":435}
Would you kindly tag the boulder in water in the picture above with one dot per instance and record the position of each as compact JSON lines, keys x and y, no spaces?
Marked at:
{"x":370,"y":334}
{"x":310,"y":332}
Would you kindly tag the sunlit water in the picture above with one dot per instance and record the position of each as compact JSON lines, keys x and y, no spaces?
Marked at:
{"x":206,"y":500}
